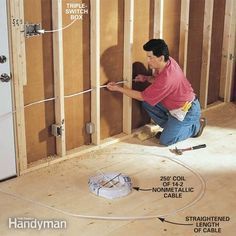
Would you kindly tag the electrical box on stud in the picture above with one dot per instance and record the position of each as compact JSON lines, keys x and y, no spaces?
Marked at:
{"x":32,"y":30}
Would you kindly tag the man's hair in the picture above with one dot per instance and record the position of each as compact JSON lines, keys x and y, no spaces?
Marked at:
{"x":158,"y":47}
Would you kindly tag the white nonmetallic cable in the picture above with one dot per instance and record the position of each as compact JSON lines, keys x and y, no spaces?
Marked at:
{"x":53,"y":98}
{"x":197,"y":198}
{"x":45,"y":100}
{"x":75,"y":94}
{"x":120,"y":82}
{"x":89,"y":90}
{"x":108,"y":179}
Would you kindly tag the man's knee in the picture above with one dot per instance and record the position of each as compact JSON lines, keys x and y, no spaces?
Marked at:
{"x":167,"y":141}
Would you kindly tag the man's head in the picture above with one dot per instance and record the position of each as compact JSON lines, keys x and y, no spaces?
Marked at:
{"x":157,"y":53}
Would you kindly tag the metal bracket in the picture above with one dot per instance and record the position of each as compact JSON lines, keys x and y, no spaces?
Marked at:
{"x":90,"y":128}
{"x":32,"y":30}
{"x":231,"y":56}
{"x":56,"y":130}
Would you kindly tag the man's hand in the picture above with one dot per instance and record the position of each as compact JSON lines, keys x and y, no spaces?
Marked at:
{"x":112,"y":86}
{"x":144,"y":78}
{"x":140,"y":78}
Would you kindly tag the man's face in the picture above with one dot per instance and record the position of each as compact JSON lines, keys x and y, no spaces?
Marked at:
{"x":154,"y":62}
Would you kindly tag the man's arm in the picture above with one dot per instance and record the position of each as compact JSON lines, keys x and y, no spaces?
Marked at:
{"x":142,"y":78}
{"x":150,"y":79}
{"x":112,"y":86}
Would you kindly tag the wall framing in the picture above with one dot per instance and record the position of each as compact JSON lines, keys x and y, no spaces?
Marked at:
{"x":127,"y":64}
{"x":58,"y":76}
{"x":228,"y":51}
{"x":183,"y":40}
{"x":158,"y":19}
{"x":206,"y":52}
{"x":95,"y":69}
{"x":20,"y":78}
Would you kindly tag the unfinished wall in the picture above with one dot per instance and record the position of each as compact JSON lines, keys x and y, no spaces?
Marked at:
{"x":112,"y":33}
{"x":234,"y":87}
{"x":39,"y":61}
{"x":195,"y":37}
{"x":76,"y":48}
{"x":40,"y":84}
{"x":171,"y":26}
{"x":76,"y":65}
{"x":143,"y":28}
{"x":195,"y":40}
{"x":143,"y":22}
{"x":216,"y":50}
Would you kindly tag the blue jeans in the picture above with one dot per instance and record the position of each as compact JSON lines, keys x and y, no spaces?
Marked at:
{"x":173,"y":129}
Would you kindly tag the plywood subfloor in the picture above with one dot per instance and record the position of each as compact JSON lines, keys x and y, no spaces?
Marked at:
{"x":64,"y":186}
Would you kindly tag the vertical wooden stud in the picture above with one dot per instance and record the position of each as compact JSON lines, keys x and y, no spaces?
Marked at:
{"x":127,"y":63}
{"x":17,"y":42}
{"x":95,"y":68}
{"x":206,"y":52}
{"x":58,"y":74}
{"x":158,"y":18}
{"x":228,"y":51}
{"x":183,"y":42}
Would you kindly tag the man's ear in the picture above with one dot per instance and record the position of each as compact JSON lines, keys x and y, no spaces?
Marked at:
{"x":162,"y":58}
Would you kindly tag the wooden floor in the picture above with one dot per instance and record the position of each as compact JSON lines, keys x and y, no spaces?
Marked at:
{"x":210,"y":172}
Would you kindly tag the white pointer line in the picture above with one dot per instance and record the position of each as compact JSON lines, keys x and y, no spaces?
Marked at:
{"x":42,"y":31}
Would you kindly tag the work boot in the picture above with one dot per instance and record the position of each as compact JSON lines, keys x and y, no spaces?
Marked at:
{"x":203,"y":122}
{"x":158,"y":134}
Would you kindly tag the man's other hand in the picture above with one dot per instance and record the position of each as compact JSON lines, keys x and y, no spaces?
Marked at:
{"x":140,"y":78}
{"x":112,"y":86}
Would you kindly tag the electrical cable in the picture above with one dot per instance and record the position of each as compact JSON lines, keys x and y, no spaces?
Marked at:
{"x":75,"y":94}
{"x":37,"y":102}
{"x":53,"y":98}
{"x":119,"y":82}
{"x":123,"y":218}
